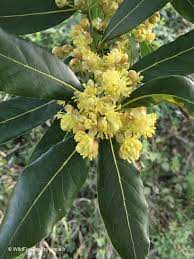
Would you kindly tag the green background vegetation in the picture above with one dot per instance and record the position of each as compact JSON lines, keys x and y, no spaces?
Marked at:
{"x":167,"y":169}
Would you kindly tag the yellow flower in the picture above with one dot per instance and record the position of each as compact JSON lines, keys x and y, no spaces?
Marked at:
{"x":97,"y":112}
{"x":155,"y":18}
{"x":135,"y":77}
{"x":144,"y":31}
{"x":62,"y":52}
{"x":86,"y":101}
{"x":81,"y":5}
{"x":130,"y":149}
{"x":140,"y":34}
{"x":114,"y":84}
{"x":60,"y":102}
{"x":85,"y":23}
{"x":61,"y":3}
{"x":80,"y":37}
{"x":67,"y":122}
{"x":141,"y":124}
{"x":109,"y":6}
{"x":89,"y":124}
{"x":87,"y":146}
{"x":103,"y":125}
{"x":99,"y":24}
{"x":91,"y":61}
{"x":150,"y":37}
{"x":115,"y":57}
{"x":113,"y":122}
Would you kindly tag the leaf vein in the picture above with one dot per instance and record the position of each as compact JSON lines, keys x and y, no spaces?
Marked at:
{"x":38,"y":197}
{"x":151,"y":95}
{"x":35,"y":14}
{"x":123,"y":198}
{"x":125,"y":17}
{"x":25,"y":113}
{"x":166,"y":59}
{"x":38,"y":71}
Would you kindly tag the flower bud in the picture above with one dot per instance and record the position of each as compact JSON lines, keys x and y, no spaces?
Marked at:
{"x":134,"y":76}
{"x":61,"y":3}
{"x":155,"y":18}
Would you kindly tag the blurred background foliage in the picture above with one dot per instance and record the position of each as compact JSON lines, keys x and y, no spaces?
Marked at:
{"x":167,"y":169}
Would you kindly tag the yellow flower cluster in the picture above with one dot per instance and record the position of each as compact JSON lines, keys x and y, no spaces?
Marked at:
{"x":97,"y":112}
{"x":109,"y":6}
{"x":144,"y":32}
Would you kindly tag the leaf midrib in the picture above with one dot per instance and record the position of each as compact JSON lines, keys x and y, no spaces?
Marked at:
{"x":38,"y":71}
{"x":38,"y":197}
{"x":123,"y":19}
{"x":25,"y":113}
{"x":35,"y":14}
{"x":151,"y":95}
{"x":123,"y":198}
{"x":165,"y":59}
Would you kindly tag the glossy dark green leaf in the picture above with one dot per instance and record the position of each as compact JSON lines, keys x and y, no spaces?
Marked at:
{"x":177,"y":90}
{"x":53,"y":136}
{"x":30,"y":16}
{"x":122,"y":203}
{"x":175,"y":58}
{"x":28,"y":70}
{"x":130,"y":14}
{"x":43,"y":194}
{"x":19,"y":115}
{"x":185,"y":8}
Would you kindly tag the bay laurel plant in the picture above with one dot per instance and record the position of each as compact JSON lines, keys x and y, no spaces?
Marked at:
{"x":97,"y":91}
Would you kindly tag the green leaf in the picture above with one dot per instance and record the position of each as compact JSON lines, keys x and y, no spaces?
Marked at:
{"x":19,"y":115}
{"x":30,"y":16}
{"x":177,"y":90}
{"x":130,"y":14}
{"x":28,"y":70}
{"x":175,"y":58}
{"x":53,"y":136}
{"x":122,"y":203}
{"x":145,"y":49}
{"x":43,"y":194}
{"x":185,"y":8}
{"x":134,"y":51}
